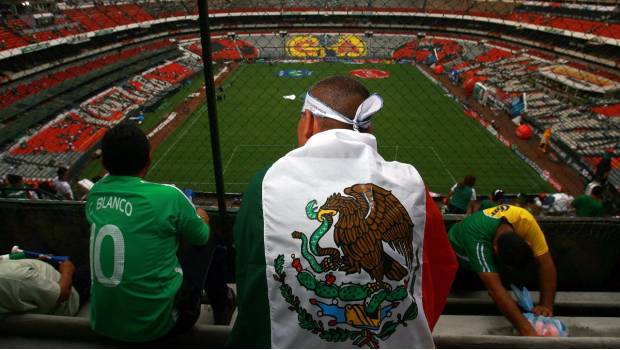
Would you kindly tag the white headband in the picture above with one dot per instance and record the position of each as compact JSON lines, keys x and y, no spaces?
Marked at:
{"x":364,"y":112}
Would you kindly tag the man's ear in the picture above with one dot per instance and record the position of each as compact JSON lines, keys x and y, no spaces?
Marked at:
{"x":305,"y":127}
{"x":146,"y":168}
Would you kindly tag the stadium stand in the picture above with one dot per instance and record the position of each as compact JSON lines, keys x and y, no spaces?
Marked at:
{"x":96,"y":17}
{"x":72,"y":134}
{"x":580,"y":102}
{"x":137,"y":13}
{"x":14,"y":93}
{"x":505,"y":69}
{"x":9,"y":40}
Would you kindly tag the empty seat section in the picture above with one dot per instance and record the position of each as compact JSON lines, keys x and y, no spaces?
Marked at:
{"x":12,"y":95}
{"x":81,"y":17}
{"x":9,"y":40}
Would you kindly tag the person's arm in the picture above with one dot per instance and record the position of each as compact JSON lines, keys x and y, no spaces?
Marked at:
{"x":66,"y":270}
{"x":505,"y":303}
{"x":193,"y":224}
{"x":547,"y":279}
{"x":203,"y":215}
{"x":447,"y":199}
{"x":471,"y":207}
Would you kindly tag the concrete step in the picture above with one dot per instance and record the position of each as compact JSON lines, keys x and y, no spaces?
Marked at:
{"x":37,"y":331}
{"x":566,"y":303}
{"x":44,"y":331}
{"x":206,"y":314}
{"x":496,"y":332}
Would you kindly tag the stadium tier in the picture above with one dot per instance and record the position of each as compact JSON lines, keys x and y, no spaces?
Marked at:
{"x":98,"y":17}
{"x":500,"y":73}
{"x":18,"y":92}
{"x":71,"y":135}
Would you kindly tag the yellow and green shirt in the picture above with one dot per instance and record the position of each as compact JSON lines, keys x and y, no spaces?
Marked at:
{"x":472,"y":238}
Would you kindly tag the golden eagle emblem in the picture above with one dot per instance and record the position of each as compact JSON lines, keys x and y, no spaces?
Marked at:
{"x":367,"y":216}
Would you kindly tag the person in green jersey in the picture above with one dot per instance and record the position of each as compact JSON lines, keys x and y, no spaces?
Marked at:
{"x":461,"y":197}
{"x":506,"y":238}
{"x":496,"y":198}
{"x":140,"y":290}
{"x":590,"y":206}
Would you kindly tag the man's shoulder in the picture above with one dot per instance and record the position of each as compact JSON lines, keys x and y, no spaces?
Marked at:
{"x":161,"y":191}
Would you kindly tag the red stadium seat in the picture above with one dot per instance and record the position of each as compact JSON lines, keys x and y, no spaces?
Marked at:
{"x":10,"y":96}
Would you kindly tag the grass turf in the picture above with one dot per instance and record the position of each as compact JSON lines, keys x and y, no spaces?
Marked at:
{"x":418,"y":125}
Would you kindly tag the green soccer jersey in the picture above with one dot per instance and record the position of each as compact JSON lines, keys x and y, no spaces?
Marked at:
{"x":486,"y":204}
{"x":461,"y":196}
{"x":587,"y":206}
{"x":135,"y":231}
{"x":472,"y":240}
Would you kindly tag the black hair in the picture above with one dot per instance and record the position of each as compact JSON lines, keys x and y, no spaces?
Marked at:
{"x":125,"y":150}
{"x":468,"y":180}
{"x":61,"y":172}
{"x":597,"y":191}
{"x":497,"y":195}
{"x":13,"y":179}
{"x":515,"y":258}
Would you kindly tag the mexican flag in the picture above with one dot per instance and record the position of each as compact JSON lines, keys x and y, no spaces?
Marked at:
{"x":338,"y":248}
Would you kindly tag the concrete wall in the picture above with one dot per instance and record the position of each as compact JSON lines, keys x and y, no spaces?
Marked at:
{"x":585,"y":250}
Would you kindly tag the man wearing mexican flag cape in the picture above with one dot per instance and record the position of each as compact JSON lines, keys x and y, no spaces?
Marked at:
{"x":337,"y":247}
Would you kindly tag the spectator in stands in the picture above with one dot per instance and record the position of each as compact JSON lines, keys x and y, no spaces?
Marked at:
{"x":590,"y":205}
{"x":462,"y":196}
{"x":34,"y":286}
{"x":337,"y":155}
{"x":544,"y":140}
{"x":17,"y":189}
{"x":506,"y":239}
{"x":61,"y":184}
{"x":136,"y":227}
{"x":554,"y":203}
{"x":603,"y":167}
{"x":496,"y":198}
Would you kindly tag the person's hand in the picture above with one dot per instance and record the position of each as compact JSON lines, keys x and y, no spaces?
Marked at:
{"x":542,"y":310}
{"x":528,"y":332}
{"x":66,"y":267}
{"x":203,"y":215}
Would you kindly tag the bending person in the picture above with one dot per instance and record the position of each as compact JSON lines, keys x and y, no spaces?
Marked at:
{"x":506,"y":238}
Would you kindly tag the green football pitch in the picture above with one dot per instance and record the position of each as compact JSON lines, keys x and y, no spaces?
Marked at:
{"x":419,"y":125}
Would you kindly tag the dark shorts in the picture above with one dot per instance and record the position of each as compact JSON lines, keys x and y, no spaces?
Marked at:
{"x":195,"y":261}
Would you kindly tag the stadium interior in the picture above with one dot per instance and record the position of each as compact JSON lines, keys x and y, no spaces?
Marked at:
{"x":71,"y":70}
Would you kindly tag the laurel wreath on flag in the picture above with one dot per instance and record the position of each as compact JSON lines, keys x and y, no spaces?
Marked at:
{"x":360,"y":338}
